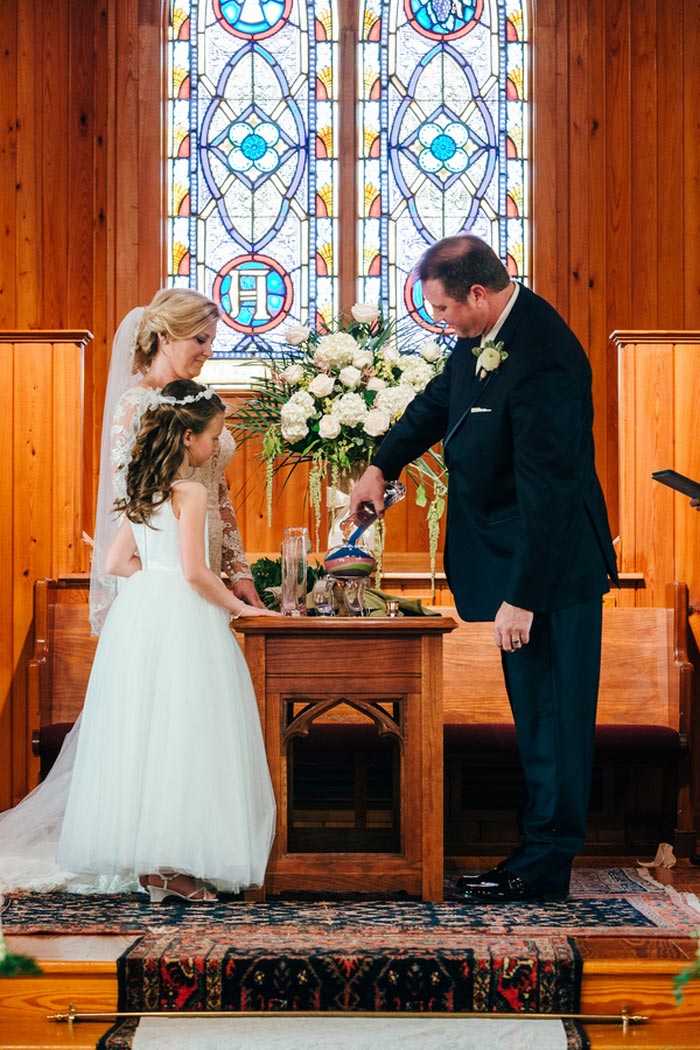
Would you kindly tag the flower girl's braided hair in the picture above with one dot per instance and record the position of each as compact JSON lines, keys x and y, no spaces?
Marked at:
{"x":179,"y":313}
{"x":159,"y":448}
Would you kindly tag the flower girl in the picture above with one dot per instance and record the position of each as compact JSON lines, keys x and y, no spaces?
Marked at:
{"x":170,"y":783}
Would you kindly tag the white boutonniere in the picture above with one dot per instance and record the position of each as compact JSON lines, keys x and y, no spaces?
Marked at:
{"x":490,"y":356}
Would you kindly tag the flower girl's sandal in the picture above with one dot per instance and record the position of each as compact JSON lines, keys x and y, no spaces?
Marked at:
{"x":164,"y":888}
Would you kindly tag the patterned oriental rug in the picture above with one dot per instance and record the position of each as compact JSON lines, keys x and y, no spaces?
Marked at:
{"x":603,"y":902}
{"x":375,"y":969}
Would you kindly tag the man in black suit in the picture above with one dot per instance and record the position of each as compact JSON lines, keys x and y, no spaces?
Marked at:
{"x":528,"y":543}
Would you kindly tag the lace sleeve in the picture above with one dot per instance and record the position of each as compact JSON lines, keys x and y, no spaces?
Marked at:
{"x":125,"y":425}
{"x":233,"y":558}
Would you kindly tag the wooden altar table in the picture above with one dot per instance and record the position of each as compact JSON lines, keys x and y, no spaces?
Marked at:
{"x":387,"y":670}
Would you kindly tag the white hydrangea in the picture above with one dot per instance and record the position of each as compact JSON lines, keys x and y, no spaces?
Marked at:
{"x":329,"y":426}
{"x":321,"y":385}
{"x":293,"y":429}
{"x":294,"y":415}
{"x":302,"y":401}
{"x":415,"y":371}
{"x":375,"y":383}
{"x":377,"y":422}
{"x":395,"y":400}
{"x":350,"y":409}
{"x":335,"y":351}
{"x":350,"y":376}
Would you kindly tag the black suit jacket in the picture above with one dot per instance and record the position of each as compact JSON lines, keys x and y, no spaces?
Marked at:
{"x":526,"y":518}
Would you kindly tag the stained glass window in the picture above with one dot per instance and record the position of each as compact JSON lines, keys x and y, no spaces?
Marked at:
{"x":252,"y":162}
{"x":254,"y":127}
{"x":443,"y":143}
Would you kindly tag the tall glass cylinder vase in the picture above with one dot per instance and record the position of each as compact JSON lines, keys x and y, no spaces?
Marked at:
{"x":294,"y":564}
{"x":338,"y":503}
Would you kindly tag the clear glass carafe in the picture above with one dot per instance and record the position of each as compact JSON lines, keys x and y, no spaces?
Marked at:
{"x":294,"y":550}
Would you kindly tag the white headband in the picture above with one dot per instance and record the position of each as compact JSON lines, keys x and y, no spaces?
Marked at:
{"x":155,"y":398}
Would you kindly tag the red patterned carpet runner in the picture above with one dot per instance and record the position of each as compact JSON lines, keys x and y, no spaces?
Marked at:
{"x":295,"y":970}
{"x":379,"y":970}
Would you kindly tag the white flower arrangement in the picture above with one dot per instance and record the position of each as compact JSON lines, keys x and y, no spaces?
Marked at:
{"x":336,"y":393}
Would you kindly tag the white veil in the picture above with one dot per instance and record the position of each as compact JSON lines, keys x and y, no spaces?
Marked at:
{"x":30,"y":832}
{"x":103,"y":588}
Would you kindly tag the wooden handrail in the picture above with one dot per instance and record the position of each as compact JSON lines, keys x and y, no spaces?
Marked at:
{"x":650,"y":336}
{"x":81,"y":336}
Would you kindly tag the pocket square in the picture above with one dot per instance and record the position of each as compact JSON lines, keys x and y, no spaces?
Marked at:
{"x":477,"y":409}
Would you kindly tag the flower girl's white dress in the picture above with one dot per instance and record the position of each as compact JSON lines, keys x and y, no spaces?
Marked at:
{"x":168,"y":769}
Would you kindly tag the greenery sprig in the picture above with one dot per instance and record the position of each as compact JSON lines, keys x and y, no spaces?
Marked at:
{"x":12,"y":965}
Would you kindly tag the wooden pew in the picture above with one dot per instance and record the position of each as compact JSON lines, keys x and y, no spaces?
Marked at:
{"x":644,"y":713}
{"x":644,"y":721}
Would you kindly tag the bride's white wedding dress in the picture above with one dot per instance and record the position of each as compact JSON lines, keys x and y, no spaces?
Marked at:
{"x":166,"y":767}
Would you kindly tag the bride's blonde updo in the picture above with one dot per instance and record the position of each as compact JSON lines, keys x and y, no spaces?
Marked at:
{"x":179,"y":313}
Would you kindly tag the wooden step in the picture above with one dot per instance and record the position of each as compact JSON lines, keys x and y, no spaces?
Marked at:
{"x":637,"y":972}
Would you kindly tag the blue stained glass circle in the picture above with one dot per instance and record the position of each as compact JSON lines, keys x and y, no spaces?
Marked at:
{"x":258,"y":18}
{"x":442,"y":19}
{"x":443,"y":147}
{"x":253,"y":146}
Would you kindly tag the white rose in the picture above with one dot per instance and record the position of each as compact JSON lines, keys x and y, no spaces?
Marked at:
{"x":292,"y":374}
{"x":350,"y":409}
{"x":329,"y":427}
{"x":365,"y":313}
{"x":321,"y":385}
{"x":377,"y":422}
{"x":430,"y":351}
{"x":391,"y":355}
{"x":335,"y":351}
{"x":375,"y":383}
{"x":350,"y":376}
{"x":297,"y":334}
{"x":363,"y":359}
{"x":489,"y":359}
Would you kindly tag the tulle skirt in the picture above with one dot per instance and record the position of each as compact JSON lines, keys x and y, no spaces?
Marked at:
{"x":167,"y":766}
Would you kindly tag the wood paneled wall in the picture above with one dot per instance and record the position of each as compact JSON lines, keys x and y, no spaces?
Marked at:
{"x":616,"y":189}
{"x":659,"y":429}
{"x":614,"y":194}
{"x":42,"y":511}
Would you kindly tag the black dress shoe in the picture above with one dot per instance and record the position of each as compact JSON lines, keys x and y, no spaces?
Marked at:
{"x":486,"y":876}
{"x":464,"y":881}
{"x":505,"y":887}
